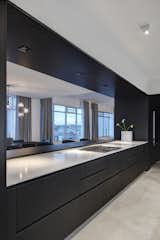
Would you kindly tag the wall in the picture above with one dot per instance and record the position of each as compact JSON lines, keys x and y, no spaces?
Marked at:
{"x":68,"y":101}
{"x":154,"y":105}
{"x":135,"y":109}
{"x":35,"y":119}
{"x":107,"y":107}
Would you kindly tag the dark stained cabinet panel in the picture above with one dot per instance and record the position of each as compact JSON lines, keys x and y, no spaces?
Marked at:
{"x":51,"y":207}
{"x":95,"y":172}
{"x":3,"y":189}
{"x":11,"y":213}
{"x":62,"y":222}
{"x":42,"y":196}
{"x":92,"y":167}
{"x":53,"y":55}
{"x":154,"y":106}
{"x":55,"y":226}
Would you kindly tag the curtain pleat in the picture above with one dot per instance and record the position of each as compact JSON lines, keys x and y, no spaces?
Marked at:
{"x":46,"y":120}
{"x":86,"y":120}
{"x":94,"y":107}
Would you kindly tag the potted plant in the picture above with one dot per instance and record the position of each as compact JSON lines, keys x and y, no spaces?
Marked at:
{"x":126,"y":131}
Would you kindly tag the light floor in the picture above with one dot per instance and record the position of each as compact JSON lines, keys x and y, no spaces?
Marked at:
{"x":133,"y":215}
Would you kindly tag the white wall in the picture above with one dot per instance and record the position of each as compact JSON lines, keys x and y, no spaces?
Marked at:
{"x":107,"y":107}
{"x":67,"y":101}
{"x":35,"y":119}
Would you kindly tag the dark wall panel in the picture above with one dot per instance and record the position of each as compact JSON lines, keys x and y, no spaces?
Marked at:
{"x":3,"y":204}
{"x":134,"y":109}
{"x":51,"y":54}
{"x":154,"y":105}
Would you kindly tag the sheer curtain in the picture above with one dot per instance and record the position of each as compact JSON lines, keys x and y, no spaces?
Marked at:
{"x":46,"y":120}
{"x":94,"y":107}
{"x":86,"y":120}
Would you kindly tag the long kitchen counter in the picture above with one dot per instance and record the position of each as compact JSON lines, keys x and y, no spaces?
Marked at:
{"x":26,"y":168}
{"x":65,"y":188}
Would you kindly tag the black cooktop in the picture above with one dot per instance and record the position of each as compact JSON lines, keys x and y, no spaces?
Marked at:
{"x":101,"y":149}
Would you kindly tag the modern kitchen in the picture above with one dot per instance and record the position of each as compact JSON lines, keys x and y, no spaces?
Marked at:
{"x":80,"y":132}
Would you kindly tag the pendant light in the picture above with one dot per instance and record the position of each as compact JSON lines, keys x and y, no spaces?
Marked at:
{"x":20,"y":105}
{"x":22,"y":109}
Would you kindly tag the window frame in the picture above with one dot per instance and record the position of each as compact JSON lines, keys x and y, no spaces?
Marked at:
{"x":108,"y":117}
{"x":67,"y":107}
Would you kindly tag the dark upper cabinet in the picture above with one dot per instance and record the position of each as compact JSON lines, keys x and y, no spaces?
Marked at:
{"x":50,"y":53}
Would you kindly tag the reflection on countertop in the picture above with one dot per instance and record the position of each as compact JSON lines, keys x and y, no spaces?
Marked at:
{"x":26,"y":168}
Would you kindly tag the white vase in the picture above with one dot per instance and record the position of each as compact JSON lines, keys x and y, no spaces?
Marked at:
{"x":127,"y":136}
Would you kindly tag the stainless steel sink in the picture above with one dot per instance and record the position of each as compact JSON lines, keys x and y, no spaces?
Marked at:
{"x":101,"y":149}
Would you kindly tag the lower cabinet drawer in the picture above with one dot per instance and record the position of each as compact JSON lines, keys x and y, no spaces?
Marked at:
{"x":56,"y":226}
{"x":92,"y":167}
{"x":40,"y":197}
{"x":93,"y":180}
{"x":63,"y":221}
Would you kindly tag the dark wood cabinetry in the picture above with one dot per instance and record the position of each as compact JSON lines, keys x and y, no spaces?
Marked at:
{"x":52,"y":206}
{"x":38,"y":198}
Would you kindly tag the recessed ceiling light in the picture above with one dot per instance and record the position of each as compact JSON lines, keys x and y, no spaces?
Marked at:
{"x":146,"y":32}
{"x":145,"y":28}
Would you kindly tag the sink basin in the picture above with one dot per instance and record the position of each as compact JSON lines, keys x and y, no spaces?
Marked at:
{"x":101,"y":149}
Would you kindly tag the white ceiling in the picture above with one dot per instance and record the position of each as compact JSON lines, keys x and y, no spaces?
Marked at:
{"x":26,"y":82}
{"x":109,"y":31}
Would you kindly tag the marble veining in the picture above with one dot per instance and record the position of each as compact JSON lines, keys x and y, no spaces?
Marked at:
{"x":26,"y":168}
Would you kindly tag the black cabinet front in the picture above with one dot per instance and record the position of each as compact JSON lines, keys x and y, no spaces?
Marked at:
{"x":40,"y":197}
{"x":52,"y":206}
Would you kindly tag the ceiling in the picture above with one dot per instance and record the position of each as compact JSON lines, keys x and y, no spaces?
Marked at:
{"x":26,"y":82}
{"x":109,"y":31}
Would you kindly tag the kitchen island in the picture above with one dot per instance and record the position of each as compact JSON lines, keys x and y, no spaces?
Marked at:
{"x":51,"y":194}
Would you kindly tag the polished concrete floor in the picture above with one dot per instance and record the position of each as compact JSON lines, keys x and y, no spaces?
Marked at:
{"x":133,"y":215}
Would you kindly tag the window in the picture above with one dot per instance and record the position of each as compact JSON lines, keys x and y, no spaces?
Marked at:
{"x":105,"y":124}
{"x":11,"y":117}
{"x":68,"y":123}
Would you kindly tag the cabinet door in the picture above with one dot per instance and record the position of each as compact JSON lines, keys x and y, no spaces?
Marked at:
{"x":60,"y":223}
{"x":92,"y":167}
{"x":11,"y":211}
{"x":55,"y":226}
{"x":39,"y":197}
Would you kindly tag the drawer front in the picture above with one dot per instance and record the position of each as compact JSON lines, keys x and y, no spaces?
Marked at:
{"x":97,"y":171}
{"x":63,"y":221}
{"x":55,"y":226}
{"x":42,"y":196}
{"x":94,"y":166}
{"x":93,"y":180}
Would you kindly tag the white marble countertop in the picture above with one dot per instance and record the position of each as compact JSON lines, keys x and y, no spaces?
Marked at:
{"x":26,"y":168}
